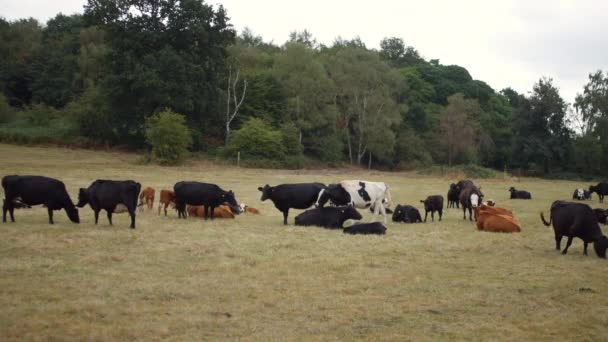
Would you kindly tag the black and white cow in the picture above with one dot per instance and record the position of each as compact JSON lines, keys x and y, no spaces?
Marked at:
{"x":357,"y":193}
{"x":288,"y":196}
{"x":208,"y":195}
{"x":111,"y":196}
{"x":581,"y":195}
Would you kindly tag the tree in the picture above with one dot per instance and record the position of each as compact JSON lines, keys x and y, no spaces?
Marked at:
{"x":455,"y":130}
{"x":169,"y":137}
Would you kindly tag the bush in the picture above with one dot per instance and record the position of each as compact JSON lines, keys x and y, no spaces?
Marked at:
{"x":169,"y":137}
{"x":7,"y":113}
{"x":256,"y":140}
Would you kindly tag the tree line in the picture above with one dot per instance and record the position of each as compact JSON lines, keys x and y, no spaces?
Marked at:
{"x":100,"y":76}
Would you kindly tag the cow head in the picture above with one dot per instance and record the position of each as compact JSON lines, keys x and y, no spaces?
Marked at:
{"x":600,"y":246}
{"x":512,"y":189}
{"x":83,"y":197}
{"x":350,"y":213}
{"x":592,"y":188}
{"x":72,"y":212}
{"x":453,"y":186}
{"x":266,"y":192}
{"x":228,"y":197}
{"x":398,"y":214}
{"x":475,"y":199}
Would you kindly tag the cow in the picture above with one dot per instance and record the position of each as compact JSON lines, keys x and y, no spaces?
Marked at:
{"x":365,"y":228}
{"x":433,"y":204}
{"x":167,"y":197}
{"x":602,"y":215}
{"x":328,"y":217}
{"x":463,"y":184}
{"x":109,"y":195}
{"x":492,"y":210}
{"x":291,"y":196}
{"x":18,"y":204}
{"x":491,"y":222}
{"x":406,"y":214}
{"x":453,"y":193}
{"x":197,"y":193}
{"x":146,"y":197}
{"x":470,"y":198}
{"x":601,"y":189}
{"x":581,"y":195}
{"x":357,"y":193}
{"x":576,"y":220}
{"x":35,"y":190}
{"x":222,"y":211}
{"x":519,"y":194}
{"x":248,"y":210}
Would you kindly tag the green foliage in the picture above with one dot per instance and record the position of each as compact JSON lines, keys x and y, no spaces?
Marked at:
{"x":7,"y":113}
{"x":169,"y":137}
{"x":256,"y":140}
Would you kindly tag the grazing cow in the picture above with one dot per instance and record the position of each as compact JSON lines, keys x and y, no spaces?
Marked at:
{"x":35,"y":190}
{"x":109,"y":195}
{"x":490,"y":222}
{"x":197,"y":193}
{"x":222,"y":211}
{"x":366,"y":228}
{"x":146,"y":197}
{"x":581,"y":195}
{"x":601,"y":189}
{"x":406,"y":214}
{"x":470,"y":198}
{"x":167,"y":197}
{"x":357,"y":193}
{"x":288,"y":196}
{"x":453,"y":194}
{"x":329,"y":217}
{"x":519,"y":194}
{"x":248,"y":210}
{"x":602,"y":215}
{"x":433,"y":204}
{"x":576,"y":220}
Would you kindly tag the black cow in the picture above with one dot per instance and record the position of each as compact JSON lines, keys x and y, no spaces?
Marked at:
{"x":433,"y":204}
{"x":328,"y":217}
{"x":602,"y":215}
{"x":601,"y":189}
{"x":208,"y":195}
{"x":111,"y":196}
{"x":463,"y":184}
{"x":470,"y":198}
{"x":288,"y":196}
{"x":576,"y":220}
{"x":453,"y":194}
{"x":519,"y":194}
{"x":407,"y":214}
{"x":366,"y":228}
{"x":35,"y":190}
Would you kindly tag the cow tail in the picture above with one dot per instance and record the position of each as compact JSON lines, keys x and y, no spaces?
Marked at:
{"x":542,"y":217}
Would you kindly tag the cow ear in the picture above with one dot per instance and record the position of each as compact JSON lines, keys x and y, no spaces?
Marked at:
{"x":260,"y":188}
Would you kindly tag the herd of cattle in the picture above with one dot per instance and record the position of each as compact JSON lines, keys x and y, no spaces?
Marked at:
{"x":332,"y":205}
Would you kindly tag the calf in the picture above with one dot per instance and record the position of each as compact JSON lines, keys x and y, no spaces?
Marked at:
{"x":357,"y":193}
{"x":601,"y":214}
{"x":248,"y":210}
{"x":406,"y":214}
{"x":470,"y":198}
{"x":519,"y":194}
{"x":329,"y":217}
{"x":222,"y":211}
{"x":433,"y":204}
{"x":146,"y":197}
{"x":366,"y":228}
{"x":601,"y":189}
{"x":288,"y":196}
{"x":167,"y":197}
{"x":108,"y":195}
{"x":197,"y":193}
{"x":453,"y":196}
{"x":581,"y":194}
{"x":35,"y":190}
{"x":576,"y":220}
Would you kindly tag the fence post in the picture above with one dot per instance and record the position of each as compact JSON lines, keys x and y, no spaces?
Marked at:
{"x":238,"y":159}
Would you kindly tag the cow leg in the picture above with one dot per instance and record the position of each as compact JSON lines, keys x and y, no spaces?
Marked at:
{"x":565,"y":251}
{"x":585,"y":248}
{"x":426,"y":213}
{"x":433,"y":215}
{"x":464,"y":213}
{"x":8,"y":206}
{"x":109,"y":212}
{"x":96,"y":213}
{"x":205,"y":211}
{"x":132,"y":214}
{"x":159,"y":207}
{"x":285,"y":214}
{"x":558,"y":242}
{"x":470,"y":214}
{"x":212,"y":211}
{"x":440,"y":213}
{"x":50,"y":215}
{"x":166,"y":205}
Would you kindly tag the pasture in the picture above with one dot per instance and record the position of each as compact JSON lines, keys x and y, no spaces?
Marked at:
{"x":253,"y":278}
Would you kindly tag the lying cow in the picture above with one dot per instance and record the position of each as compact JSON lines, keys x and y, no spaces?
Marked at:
{"x":433,"y":204}
{"x":519,"y":194}
{"x":365,"y":229}
{"x":111,"y":196}
{"x":470,"y":198}
{"x":406,"y":214}
{"x":493,"y":219}
{"x":146,"y":197}
{"x":357,"y":193}
{"x":288,"y":196}
{"x":453,"y":194}
{"x":248,"y":210}
{"x":222,"y":211}
{"x":601,"y":189}
{"x":576,"y":220}
{"x":167,"y":197}
{"x":329,"y":217}
{"x":197,"y":193}
{"x":581,"y":195}
{"x":36,"y":190}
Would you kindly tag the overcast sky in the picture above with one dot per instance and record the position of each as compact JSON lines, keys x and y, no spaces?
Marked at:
{"x":504,"y":43}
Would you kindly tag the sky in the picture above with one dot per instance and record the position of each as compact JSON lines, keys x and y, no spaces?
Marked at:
{"x":503,"y":43}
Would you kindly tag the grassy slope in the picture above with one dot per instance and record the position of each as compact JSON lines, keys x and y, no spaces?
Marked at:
{"x":253,"y":278}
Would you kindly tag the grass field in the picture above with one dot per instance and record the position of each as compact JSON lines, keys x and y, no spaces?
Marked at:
{"x":254,"y":279}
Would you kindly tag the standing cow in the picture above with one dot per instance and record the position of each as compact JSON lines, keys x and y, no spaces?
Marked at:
{"x":433,"y":204}
{"x":146,"y":197}
{"x":601,"y":189}
{"x":35,"y":190}
{"x":453,"y":194}
{"x":287,"y":196}
{"x":470,"y":198}
{"x":357,"y":193}
{"x":197,"y":193}
{"x":167,"y":197}
{"x":111,"y":196}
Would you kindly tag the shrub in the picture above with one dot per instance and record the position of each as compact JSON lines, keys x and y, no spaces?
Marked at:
{"x":256,"y":140}
{"x":7,"y":113}
{"x":169,"y":137}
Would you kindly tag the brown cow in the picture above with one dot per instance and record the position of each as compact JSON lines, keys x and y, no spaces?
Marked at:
{"x":166,"y":197}
{"x":492,"y":210}
{"x":245,"y":209}
{"x":222,"y":211}
{"x":497,"y":223}
{"x":146,"y":196}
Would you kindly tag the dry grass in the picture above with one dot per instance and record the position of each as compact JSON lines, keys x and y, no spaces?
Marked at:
{"x":252,"y":278}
